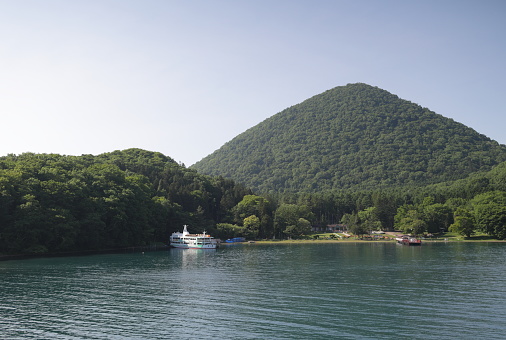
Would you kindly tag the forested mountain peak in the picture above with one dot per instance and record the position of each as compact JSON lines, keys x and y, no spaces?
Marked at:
{"x":355,"y":136}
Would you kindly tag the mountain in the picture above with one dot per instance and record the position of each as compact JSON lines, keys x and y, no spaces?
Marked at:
{"x":352,"y":137}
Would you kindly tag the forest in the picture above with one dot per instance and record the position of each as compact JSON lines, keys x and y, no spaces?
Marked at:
{"x":355,"y":137}
{"x":53,"y":203}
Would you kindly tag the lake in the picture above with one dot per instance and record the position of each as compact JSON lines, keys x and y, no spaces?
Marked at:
{"x":254,"y":291}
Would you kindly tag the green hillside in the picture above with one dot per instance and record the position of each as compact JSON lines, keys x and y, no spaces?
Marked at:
{"x":55,"y":203}
{"x":352,"y":137}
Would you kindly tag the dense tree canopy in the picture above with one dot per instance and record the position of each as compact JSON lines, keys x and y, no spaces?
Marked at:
{"x":51,"y":203}
{"x":54,"y":203}
{"x":464,"y":222}
{"x":490,"y":213}
{"x":292,"y":219}
{"x":355,"y":136}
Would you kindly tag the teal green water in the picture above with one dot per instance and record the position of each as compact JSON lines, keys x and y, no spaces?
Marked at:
{"x":250,"y":291}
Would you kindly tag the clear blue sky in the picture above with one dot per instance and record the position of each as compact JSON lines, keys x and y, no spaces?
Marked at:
{"x":184,"y":77}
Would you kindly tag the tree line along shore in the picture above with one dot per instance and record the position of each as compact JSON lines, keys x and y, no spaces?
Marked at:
{"x":53,"y":203}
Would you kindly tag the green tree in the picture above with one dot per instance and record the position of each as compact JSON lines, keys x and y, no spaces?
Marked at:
{"x":385,"y":209}
{"x":248,"y":206}
{"x":354,"y":224}
{"x":303,"y":227}
{"x":402,"y":213}
{"x":253,"y":205}
{"x":437,"y":217}
{"x":464,"y":222}
{"x":369,"y":220}
{"x":490,"y":213}
{"x":349,"y":220}
{"x":228,"y":230}
{"x":251,"y":225}
{"x":412,"y":223}
{"x":289,"y":215}
{"x":491,"y":218}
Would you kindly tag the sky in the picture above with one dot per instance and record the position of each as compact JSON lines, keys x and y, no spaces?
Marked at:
{"x":184,"y":77}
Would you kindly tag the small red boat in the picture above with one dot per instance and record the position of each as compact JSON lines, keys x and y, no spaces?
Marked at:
{"x":408,"y":240}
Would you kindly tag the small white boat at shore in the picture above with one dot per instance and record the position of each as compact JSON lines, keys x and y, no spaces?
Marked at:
{"x":192,"y":241}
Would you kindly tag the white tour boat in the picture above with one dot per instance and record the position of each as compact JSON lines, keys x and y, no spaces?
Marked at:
{"x":192,"y":241}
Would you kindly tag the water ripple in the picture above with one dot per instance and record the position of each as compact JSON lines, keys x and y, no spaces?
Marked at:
{"x":315,"y":291}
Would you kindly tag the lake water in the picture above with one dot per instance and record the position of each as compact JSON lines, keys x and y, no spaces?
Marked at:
{"x":252,"y":291}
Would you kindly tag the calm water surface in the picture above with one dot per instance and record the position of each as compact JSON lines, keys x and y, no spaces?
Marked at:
{"x":300,"y":291}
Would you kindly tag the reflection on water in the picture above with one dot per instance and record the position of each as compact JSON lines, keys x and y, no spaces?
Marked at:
{"x":190,"y":257}
{"x":298,"y":291}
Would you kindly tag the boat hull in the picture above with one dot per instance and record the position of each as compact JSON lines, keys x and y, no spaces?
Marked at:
{"x":236,"y":240}
{"x":188,"y":246}
{"x":408,"y":241}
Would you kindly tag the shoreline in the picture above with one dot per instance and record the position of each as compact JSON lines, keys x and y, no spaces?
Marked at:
{"x":8,"y":257}
{"x":373,"y":241}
